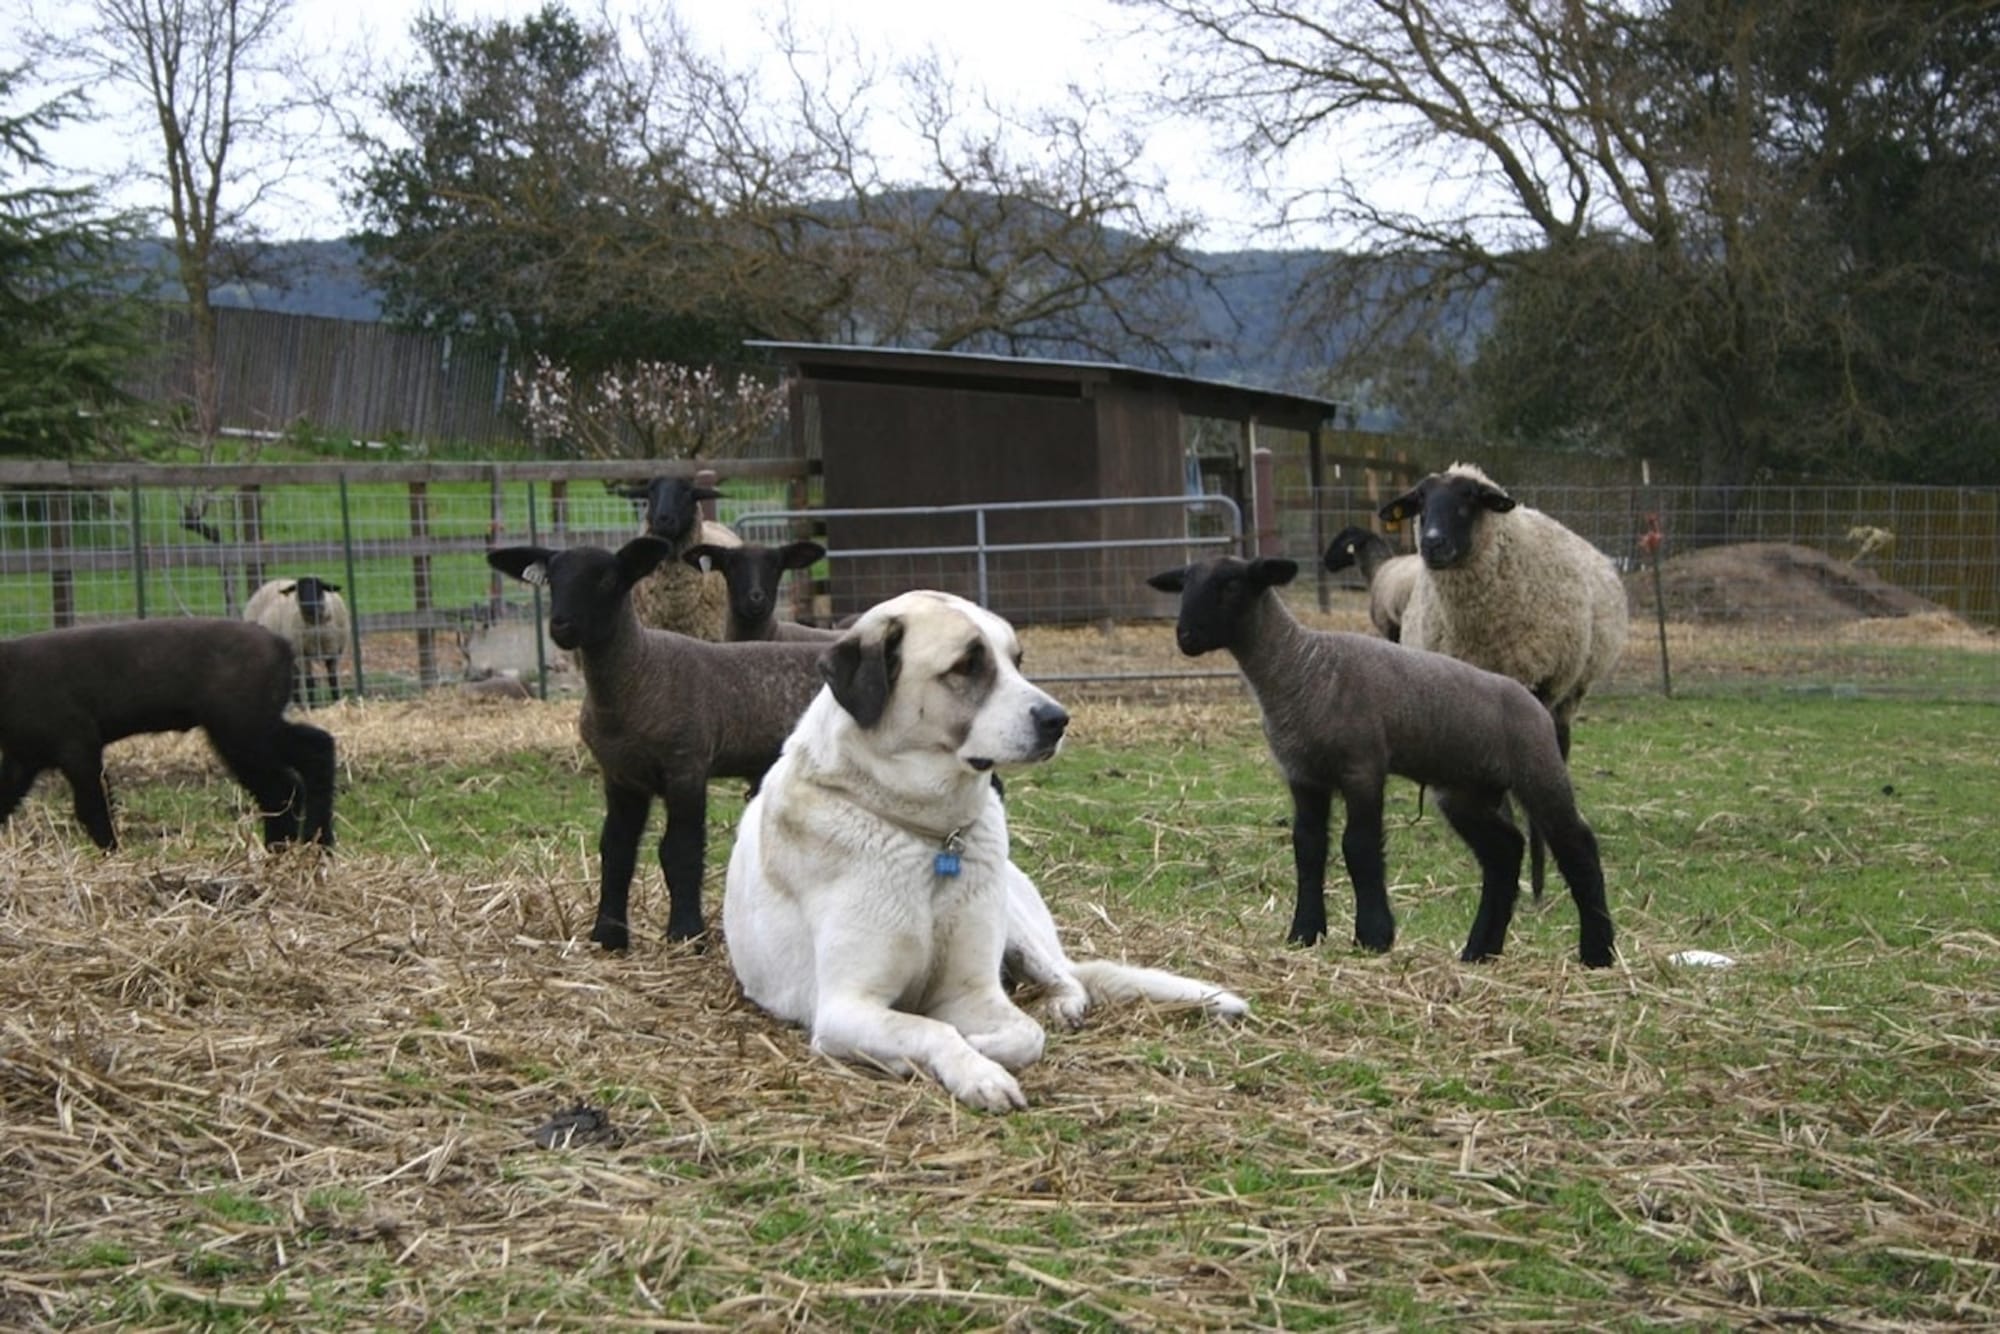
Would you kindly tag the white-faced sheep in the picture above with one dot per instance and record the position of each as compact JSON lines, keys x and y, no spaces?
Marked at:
{"x":753,"y":572}
{"x":677,"y":597}
{"x":1391,"y":577}
{"x":309,"y":614}
{"x":1343,"y":711}
{"x":662,"y":713}
{"x":1505,"y":587}
{"x":67,"y":694}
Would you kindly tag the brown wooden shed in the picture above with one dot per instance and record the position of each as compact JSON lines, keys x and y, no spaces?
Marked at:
{"x":892,"y":428}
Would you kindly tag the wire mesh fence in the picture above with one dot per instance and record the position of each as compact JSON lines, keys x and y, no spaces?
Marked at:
{"x":1861,"y":588}
{"x":1810,"y":587}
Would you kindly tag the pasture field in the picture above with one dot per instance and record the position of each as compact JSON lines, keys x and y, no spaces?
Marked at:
{"x":243,"y":1091}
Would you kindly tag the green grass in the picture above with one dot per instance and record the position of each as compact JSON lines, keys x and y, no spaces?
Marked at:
{"x":1391,"y":1141}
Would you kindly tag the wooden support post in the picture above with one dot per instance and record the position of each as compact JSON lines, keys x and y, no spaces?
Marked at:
{"x":62,"y":580}
{"x":420,"y":580}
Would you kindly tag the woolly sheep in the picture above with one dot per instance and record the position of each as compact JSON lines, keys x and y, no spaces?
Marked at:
{"x":309,"y":614}
{"x":1391,"y":577}
{"x":66,"y":694}
{"x":752,"y":572}
{"x":1505,"y":587}
{"x":662,"y":713}
{"x":687,"y":600}
{"x":1344,"y":711}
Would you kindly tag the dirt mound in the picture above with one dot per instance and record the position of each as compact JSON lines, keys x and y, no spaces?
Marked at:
{"x":1775,"y":582}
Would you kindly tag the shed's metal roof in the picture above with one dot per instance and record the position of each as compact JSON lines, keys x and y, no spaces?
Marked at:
{"x":1222,"y":398}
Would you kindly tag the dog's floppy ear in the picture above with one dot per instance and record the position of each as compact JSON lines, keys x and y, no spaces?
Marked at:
{"x":862,"y":667}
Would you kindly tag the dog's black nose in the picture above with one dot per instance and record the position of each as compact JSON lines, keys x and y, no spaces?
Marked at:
{"x":1050,"y":720}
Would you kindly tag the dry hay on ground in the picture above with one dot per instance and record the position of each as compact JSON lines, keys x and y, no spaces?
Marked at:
{"x":278,"y":1090}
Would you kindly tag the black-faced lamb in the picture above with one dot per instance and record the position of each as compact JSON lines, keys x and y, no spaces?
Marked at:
{"x":753,"y":572}
{"x":662,"y":713}
{"x":309,"y":614}
{"x":675,"y":596}
{"x":1391,"y":577}
{"x":1343,"y":711}
{"x":67,"y":694}
{"x":1505,"y":587}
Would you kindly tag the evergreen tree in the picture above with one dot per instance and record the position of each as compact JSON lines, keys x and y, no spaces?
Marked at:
{"x":71,"y":321}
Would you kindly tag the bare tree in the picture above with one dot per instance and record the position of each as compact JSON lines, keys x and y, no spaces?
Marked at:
{"x":715,"y":209}
{"x":1668,"y":208}
{"x":206,"y":77}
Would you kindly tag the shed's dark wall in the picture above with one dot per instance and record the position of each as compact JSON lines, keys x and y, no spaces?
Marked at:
{"x":936,"y":443}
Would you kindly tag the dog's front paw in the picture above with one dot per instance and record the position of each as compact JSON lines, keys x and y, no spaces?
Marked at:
{"x":982,"y":1084}
{"x":1014,"y":1046}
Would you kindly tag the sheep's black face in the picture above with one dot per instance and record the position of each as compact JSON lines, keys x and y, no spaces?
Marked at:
{"x":1448,"y":509}
{"x":1217,"y":597}
{"x":1344,"y":552}
{"x":673,"y":508}
{"x":584,"y":590}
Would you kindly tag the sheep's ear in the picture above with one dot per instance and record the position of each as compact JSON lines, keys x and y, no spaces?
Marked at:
{"x":528,"y":564}
{"x":801,"y":555}
{"x":703,"y":556}
{"x":326,"y":587}
{"x":861,"y":669}
{"x":640,"y":557}
{"x":701,"y":493}
{"x":1406,"y":506}
{"x":1170,"y":581}
{"x":1493,"y":498}
{"x":1271,"y":571}
{"x":290,"y":588}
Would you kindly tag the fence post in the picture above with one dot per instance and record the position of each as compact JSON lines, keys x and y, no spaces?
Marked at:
{"x":62,"y":580}
{"x":706,"y":477}
{"x":979,"y":538}
{"x":495,"y":526}
{"x":420,"y":579}
{"x":253,"y":538}
{"x":1264,"y":498}
{"x":353,"y":589}
{"x":138,"y":555}
{"x":535,"y":591}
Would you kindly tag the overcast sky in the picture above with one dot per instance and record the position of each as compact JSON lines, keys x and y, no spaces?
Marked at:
{"x":1025,"y":52}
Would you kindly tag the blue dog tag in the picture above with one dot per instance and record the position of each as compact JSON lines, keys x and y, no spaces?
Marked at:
{"x":946,"y":861}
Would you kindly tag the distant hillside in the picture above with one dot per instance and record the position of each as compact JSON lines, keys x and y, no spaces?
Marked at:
{"x":293,"y":278}
{"x":1238,"y":328}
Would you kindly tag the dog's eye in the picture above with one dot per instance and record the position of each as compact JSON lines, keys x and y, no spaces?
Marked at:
{"x":970,"y":662}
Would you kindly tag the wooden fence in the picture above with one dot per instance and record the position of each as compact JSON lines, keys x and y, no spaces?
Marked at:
{"x":94,"y":542}
{"x":348,"y":377}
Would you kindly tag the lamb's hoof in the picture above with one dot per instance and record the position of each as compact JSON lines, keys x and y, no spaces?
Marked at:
{"x":1300,"y":935}
{"x":1472,"y":955}
{"x":1375,"y":939}
{"x":1595,"y":959}
{"x":612,"y":935}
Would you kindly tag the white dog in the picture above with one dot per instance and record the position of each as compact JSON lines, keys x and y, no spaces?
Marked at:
{"x":870,"y":896}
